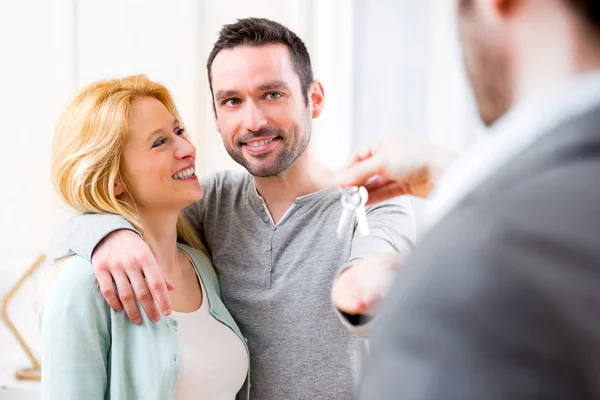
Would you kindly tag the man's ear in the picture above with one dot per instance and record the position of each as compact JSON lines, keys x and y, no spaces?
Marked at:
{"x":316,"y":96}
{"x":215,"y":118}
{"x":501,"y":7}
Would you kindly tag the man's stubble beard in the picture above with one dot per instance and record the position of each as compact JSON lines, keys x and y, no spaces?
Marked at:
{"x":286,"y":157}
{"x":487,"y":70}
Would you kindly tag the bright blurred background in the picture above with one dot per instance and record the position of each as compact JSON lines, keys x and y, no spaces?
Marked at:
{"x":389,"y":67}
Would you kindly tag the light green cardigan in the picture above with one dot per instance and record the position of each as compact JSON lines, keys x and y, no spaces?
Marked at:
{"x":91,"y":351}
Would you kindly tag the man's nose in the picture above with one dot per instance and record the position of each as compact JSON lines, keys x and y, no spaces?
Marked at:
{"x":254,"y":118}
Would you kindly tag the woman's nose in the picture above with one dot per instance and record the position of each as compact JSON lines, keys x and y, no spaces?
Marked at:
{"x":184,"y":148}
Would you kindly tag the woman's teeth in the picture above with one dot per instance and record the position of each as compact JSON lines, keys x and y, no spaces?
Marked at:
{"x":186,"y":173}
{"x":260,"y":143}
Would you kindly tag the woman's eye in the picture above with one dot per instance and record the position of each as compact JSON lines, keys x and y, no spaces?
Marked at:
{"x":158,"y":142}
{"x":273,"y":96}
{"x":180,"y":131}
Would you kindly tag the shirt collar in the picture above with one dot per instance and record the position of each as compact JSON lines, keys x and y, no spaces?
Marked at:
{"x":527,"y":121}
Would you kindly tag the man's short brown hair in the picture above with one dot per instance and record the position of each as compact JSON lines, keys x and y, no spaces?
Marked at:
{"x":260,"y":32}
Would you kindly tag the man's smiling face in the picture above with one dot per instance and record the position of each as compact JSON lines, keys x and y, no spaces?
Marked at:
{"x":259,"y":107}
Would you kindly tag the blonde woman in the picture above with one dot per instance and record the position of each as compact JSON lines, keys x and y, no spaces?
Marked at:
{"x":121,"y":148}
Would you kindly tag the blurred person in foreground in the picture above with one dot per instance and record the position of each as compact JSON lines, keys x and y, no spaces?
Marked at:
{"x":500,"y":300}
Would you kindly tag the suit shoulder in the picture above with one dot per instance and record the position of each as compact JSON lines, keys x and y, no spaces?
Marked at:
{"x":559,"y":205}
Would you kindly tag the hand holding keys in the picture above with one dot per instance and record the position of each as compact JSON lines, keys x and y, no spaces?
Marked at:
{"x":353,"y":201}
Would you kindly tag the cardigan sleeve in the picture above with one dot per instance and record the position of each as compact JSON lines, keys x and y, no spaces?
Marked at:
{"x":75,"y":331}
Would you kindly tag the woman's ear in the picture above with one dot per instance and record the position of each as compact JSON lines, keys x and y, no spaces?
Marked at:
{"x":119,"y":188}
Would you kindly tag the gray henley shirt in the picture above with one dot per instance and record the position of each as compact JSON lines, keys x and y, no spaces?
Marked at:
{"x":276,"y":278}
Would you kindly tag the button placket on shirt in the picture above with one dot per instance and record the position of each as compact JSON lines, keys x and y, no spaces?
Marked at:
{"x":268,"y":250}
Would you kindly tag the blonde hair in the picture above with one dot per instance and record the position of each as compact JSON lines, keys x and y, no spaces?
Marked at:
{"x":88,"y":148}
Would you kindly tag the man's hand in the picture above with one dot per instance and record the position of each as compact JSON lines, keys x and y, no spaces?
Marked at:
{"x":360,"y":288}
{"x":391,"y":168}
{"x":124,"y":259}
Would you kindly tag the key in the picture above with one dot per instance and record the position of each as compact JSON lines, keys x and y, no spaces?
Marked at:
{"x":350,"y":201}
{"x":353,"y":201}
{"x":361,"y":214}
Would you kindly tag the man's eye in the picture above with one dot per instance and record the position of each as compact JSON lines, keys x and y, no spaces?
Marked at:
{"x":158,"y":142}
{"x":273,"y":95}
{"x":232,"y":102}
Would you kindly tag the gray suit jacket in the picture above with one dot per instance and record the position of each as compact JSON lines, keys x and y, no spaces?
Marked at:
{"x":501,"y":300}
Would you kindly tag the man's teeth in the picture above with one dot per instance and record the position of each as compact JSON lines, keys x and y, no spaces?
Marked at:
{"x":260,"y":143}
{"x":186,"y":173}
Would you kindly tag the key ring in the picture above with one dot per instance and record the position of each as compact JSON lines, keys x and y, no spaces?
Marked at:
{"x":354,"y":192}
{"x":350,"y":197}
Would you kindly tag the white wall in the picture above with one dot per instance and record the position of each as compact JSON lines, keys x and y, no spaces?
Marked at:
{"x":37,"y":79}
{"x":50,"y":48}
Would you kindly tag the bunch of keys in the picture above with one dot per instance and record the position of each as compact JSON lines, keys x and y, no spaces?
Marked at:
{"x":354,"y":199}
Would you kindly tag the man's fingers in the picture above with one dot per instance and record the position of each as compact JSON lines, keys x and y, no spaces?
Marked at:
{"x":358,"y":156}
{"x":127,"y":297}
{"x":388,"y":191}
{"x":349,"y":302}
{"x":377,"y":183}
{"x":107,"y":288}
{"x":158,"y":285}
{"x":361,"y":172}
{"x":170,"y":286}
{"x":143,"y":295}
{"x":346,"y":294}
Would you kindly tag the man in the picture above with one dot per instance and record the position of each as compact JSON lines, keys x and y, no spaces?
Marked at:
{"x":501,"y":299}
{"x":271,"y":233}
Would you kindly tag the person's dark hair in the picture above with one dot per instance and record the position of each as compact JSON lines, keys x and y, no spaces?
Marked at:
{"x":260,"y":32}
{"x":589,"y":10}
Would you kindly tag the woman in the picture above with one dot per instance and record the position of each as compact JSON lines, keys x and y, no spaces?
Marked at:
{"x":121,"y":148}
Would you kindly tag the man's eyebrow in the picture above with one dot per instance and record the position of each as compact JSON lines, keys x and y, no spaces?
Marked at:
{"x":222,"y":94}
{"x":274,"y":85}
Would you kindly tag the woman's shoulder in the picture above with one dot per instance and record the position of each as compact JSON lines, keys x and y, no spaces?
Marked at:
{"x":201,"y":262}
{"x":70,"y":280}
{"x":199,"y":257}
{"x":74,"y":269}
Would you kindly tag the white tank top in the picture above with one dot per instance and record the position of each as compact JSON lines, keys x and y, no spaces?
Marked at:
{"x":213,"y":360}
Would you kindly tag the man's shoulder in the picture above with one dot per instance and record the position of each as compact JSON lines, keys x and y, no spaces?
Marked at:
{"x":223,"y":182}
{"x":544,"y":225}
{"x":397,"y":204}
{"x":550,"y":200}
